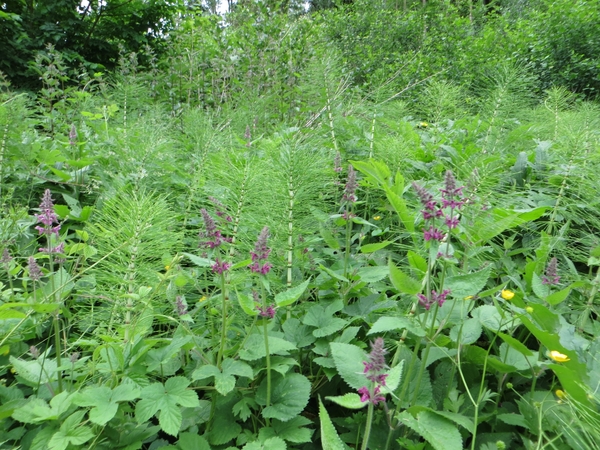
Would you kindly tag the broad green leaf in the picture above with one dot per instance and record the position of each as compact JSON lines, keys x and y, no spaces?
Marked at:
{"x":480,"y":357}
{"x":491,"y":319}
{"x":466,"y":332}
{"x":348,"y":360}
{"x":394,"y":376}
{"x":333,"y":274}
{"x":386,"y":323}
{"x":292,"y":430}
{"x":200,"y":262}
{"x":239,"y":368}
{"x":350,"y":400}
{"x":100,"y":398}
{"x":206,"y":371}
{"x":71,"y":433}
{"x":377,"y":172}
{"x":498,"y":220}
{"x":403,"y":282}
{"x":41,"y":370}
{"x":189,"y":441}
{"x":372,"y":274}
{"x":416,"y":261}
{"x":516,"y":344}
{"x":370,"y":248}
{"x":291,"y":295}
{"x":324,"y":322}
{"x":331,"y":241}
{"x":462,"y":286}
{"x":399,"y":205}
{"x":540,"y":289}
{"x":254,"y":348}
{"x":289,"y":396}
{"x":516,"y":359}
{"x":558,"y":297}
{"x":440,"y":432}
{"x":513,"y":419}
{"x":247,"y":304}
{"x":330,"y":440}
{"x":224,"y":383}
{"x":437,"y":353}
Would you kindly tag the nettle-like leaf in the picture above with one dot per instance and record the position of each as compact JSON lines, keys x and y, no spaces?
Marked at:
{"x":321,"y":317}
{"x":71,"y":432}
{"x":41,"y":370}
{"x":467,"y":332}
{"x":224,"y":380}
{"x":292,"y":430}
{"x":462,"y":286}
{"x":330,"y":440}
{"x":386,"y":323}
{"x":490,"y":318}
{"x":350,"y":400}
{"x":288,"y":297}
{"x":189,"y":441}
{"x":161,"y":359}
{"x":37,"y":410}
{"x":289,"y":396}
{"x":105,"y":402}
{"x":348,"y":361}
{"x":273,"y":443}
{"x":403,"y":282}
{"x":168,"y":400}
{"x":440,"y":432}
{"x":254,"y":348}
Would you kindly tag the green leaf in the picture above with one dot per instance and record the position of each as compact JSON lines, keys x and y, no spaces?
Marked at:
{"x":467,"y":332}
{"x":247,"y":304}
{"x":291,"y":295}
{"x":386,"y":323}
{"x":331,"y":241}
{"x":372,"y":274}
{"x":491,"y":319}
{"x":440,"y":432}
{"x":462,"y":286}
{"x":322,"y":319}
{"x":416,"y":261}
{"x":189,"y":441}
{"x":289,"y":396}
{"x":293,"y":430}
{"x":350,"y":400}
{"x":540,"y":289}
{"x":348,"y":360}
{"x":371,"y":248}
{"x":558,"y":297}
{"x":200,"y":262}
{"x":402,"y":282}
{"x":516,"y":344}
{"x":330,"y":440}
{"x":333,"y":274}
{"x":254,"y":348}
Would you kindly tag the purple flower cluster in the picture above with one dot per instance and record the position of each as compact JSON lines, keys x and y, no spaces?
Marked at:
{"x":337,"y":163}
{"x":435,"y":298}
{"x":351,"y":185}
{"x":261,"y":254}
{"x":220,"y":209}
{"x":211,"y":233}
{"x":268,"y":312}
{"x":35,"y":273}
{"x":551,"y":278}
{"x":220,"y":266}
{"x":47,"y":219}
{"x":433,"y":210}
{"x":373,"y":371}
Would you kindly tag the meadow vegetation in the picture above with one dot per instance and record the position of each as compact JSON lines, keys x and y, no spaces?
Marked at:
{"x":358,"y":227}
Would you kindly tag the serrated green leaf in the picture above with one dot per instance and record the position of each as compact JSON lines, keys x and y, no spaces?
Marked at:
{"x":330,"y":440}
{"x":348,"y":360}
{"x":333,"y":274}
{"x":403,"y":282}
{"x":467,"y":332}
{"x":293,"y":430}
{"x":322,"y":318}
{"x":440,"y":432}
{"x":289,"y":396}
{"x":198,"y":261}
{"x":386,"y":323}
{"x":224,"y":383}
{"x":462,"y":286}
{"x":416,"y":261}
{"x":558,"y":297}
{"x":288,"y":297}
{"x":189,"y":441}
{"x":394,"y":376}
{"x":370,"y":248}
{"x":350,"y":400}
{"x":540,"y":289}
{"x":247,"y":304}
{"x":254,"y":348}
{"x":372,"y":274}
{"x":204,"y":372}
{"x":490,"y":318}
{"x":170,"y":417}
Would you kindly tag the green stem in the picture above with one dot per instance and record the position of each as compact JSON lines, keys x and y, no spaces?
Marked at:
{"x":365,"y":441}
{"x":223,"y":321}
{"x":267,"y":355}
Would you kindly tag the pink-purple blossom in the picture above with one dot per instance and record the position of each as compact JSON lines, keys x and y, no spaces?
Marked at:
{"x":435,"y":298}
{"x":261,"y":254}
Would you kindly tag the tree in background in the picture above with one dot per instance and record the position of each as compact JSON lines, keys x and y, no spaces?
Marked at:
{"x":86,"y":33}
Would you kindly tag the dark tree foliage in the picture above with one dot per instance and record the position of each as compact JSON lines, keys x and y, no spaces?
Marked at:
{"x":87,"y":34}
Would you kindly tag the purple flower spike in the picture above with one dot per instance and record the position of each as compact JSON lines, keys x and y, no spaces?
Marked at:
{"x":551,"y":278}
{"x":337,"y":162}
{"x":48,"y":217}
{"x":373,"y":371}
{"x":351,"y":185}
{"x":261,"y":254}
{"x":35,"y":273}
{"x":220,"y":266}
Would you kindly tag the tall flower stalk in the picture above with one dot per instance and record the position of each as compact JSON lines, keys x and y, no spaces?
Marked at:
{"x":261,"y":266}
{"x":371,"y":393}
{"x":49,"y":227}
{"x":348,"y":200}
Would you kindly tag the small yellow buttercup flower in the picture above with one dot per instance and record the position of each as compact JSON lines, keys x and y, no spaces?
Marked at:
{"x":424,"y":124}
{"x":507,"y":294}
{"x":560,"y":394}
{"x":167,"y":268}
{"x":203,"y":298}
{"x":377,"y":218}
{"x":558,"y":356}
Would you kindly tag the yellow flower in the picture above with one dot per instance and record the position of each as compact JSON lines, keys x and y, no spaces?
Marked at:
{"x":424,"y":124}
{"x":377,"y":218}
{"x":560,"y":394}
{"x":468,"y":297}
{"x":529,"y":309}
{"x":167,"y":268}
{"x":202,"y":299}
{"x":558,"y":356}
{"x":507,"y":294}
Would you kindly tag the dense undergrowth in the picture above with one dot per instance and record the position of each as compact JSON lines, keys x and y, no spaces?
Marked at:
{"x":253,"y":250}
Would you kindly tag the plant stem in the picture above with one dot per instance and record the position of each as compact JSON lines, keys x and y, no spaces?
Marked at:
{"x":365,"y":441}
{"x":267,"y":355}
{"x":223,"y":320}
